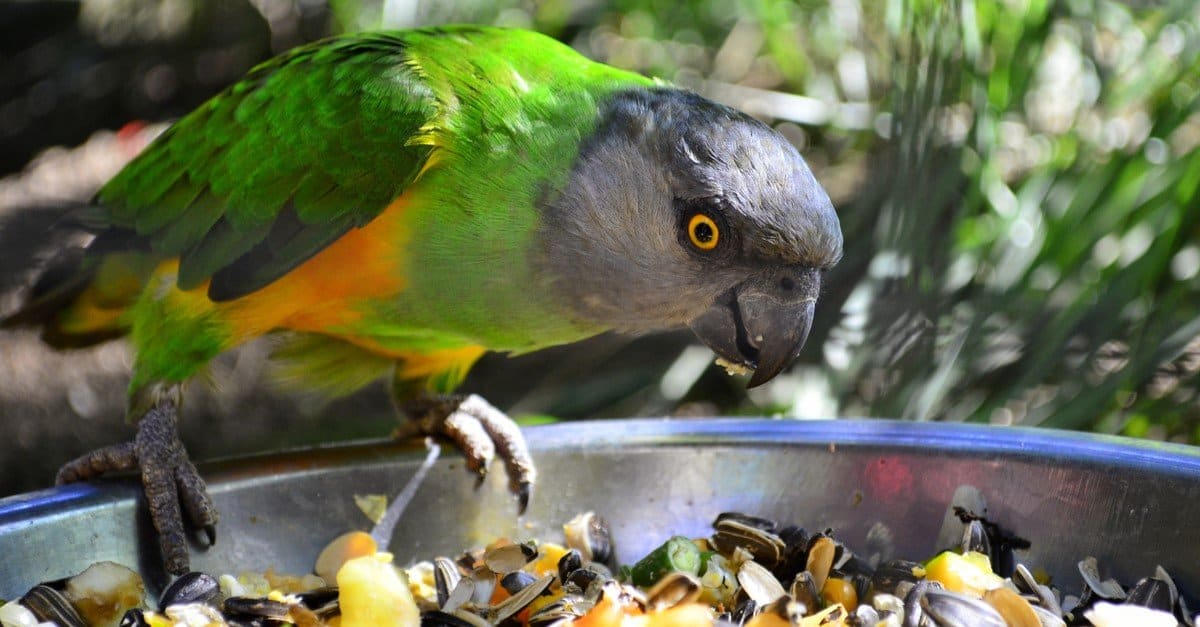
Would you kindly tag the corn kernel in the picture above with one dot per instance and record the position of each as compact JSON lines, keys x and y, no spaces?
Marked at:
{"x":374,"y":593}
{"x":968,"y":573}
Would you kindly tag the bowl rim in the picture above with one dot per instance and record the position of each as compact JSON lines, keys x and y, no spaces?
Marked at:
{"x":1036,"y":444}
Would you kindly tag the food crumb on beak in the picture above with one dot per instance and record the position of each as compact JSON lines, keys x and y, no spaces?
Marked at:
{"x":732,"y":368}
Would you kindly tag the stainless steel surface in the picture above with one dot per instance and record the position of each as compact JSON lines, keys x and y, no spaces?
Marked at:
{"x":1131,"y":504}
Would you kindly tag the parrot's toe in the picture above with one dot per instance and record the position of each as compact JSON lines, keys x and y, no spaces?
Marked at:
{"x":170,"y":481}
{"x":193,"y":496}
{"x":113,"y":458}
{"x":481,"y":432}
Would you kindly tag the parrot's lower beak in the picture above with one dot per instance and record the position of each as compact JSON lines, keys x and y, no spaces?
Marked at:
{"x":763,"y":322}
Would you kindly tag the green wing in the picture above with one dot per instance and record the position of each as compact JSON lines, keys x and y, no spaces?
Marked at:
{"x":281,"y":164}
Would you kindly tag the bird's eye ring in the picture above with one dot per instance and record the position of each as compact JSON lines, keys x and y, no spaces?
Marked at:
{"x":703,"y":232}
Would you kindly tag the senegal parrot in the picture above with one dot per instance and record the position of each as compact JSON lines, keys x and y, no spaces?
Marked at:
{"x":399,"y":203}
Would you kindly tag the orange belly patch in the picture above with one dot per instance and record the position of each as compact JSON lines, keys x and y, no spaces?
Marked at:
{"x":325,"y":292}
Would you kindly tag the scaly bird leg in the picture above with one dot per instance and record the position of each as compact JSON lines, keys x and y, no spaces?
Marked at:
{"x":169,"y":480}
{"x":478,"y":429}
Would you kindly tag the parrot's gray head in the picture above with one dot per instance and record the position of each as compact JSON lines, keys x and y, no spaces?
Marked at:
{"x":680,"y":211}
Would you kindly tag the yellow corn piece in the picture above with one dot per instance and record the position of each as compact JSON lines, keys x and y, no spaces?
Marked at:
{"x":293,"y":584}
{"x":420,"y":580}
{"x":719,"y":585}
{"x":542,"y":601}
{"x":833,"y":616}
{"x":155,"y":619}
{"x":373,"y":593}
{"x":968,"y":573}
{"x":547,"y":560}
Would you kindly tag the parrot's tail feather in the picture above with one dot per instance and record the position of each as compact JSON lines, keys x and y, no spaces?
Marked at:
{"x":44,"y":269}
{"x":29,"y":238}
{"x":55,"y":289}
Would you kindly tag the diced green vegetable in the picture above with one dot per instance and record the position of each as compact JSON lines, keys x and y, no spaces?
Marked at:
{"x":677,"y":554}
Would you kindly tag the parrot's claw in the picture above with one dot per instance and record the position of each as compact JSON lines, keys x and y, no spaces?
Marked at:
{"x":171,"y":483}
{"x":478,"y":429}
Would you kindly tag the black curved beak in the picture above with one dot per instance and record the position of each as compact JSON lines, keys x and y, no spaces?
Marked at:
{"x":763,"y":322}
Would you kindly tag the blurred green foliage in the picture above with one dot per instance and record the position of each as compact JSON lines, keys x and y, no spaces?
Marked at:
{"x":1046,"y":230}
{"x":1017,"y":183}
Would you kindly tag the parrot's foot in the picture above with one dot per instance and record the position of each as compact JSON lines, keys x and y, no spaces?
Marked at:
{"x":480,"y":430}
{"x":169,"y":480}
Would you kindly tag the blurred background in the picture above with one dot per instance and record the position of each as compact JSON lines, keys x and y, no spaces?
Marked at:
{"x":1017,"y":183}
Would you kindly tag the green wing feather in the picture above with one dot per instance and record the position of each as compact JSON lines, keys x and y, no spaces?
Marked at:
{"x":278,"y":166}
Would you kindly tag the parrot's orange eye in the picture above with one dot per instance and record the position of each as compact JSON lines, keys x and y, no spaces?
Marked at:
{"x":703,"y":232}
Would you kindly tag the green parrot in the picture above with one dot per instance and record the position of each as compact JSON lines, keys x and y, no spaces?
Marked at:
{"x":399,"y":203}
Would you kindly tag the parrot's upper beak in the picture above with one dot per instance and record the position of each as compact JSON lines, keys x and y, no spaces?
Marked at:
{"x":763,"y":322}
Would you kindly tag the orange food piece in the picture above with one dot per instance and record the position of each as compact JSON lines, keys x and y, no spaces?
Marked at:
{"x":838,"y":590}
{"x":768,"y":619}
{"x":685,"y":615}
{"x":535,"y":605}
{"x":497,"y":543}
{"x":342,"y":549}
{"x":609,"y":613}
{"x":498,"y":593}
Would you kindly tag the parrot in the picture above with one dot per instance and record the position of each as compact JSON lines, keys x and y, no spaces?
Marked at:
{"x":395,"y":204}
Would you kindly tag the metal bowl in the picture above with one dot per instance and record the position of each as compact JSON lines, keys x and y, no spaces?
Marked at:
{"x":1131,"y":504}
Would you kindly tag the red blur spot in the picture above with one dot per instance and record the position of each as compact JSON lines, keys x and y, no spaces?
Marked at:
{"x":889,"y":478}
{"x":130,"y":138}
